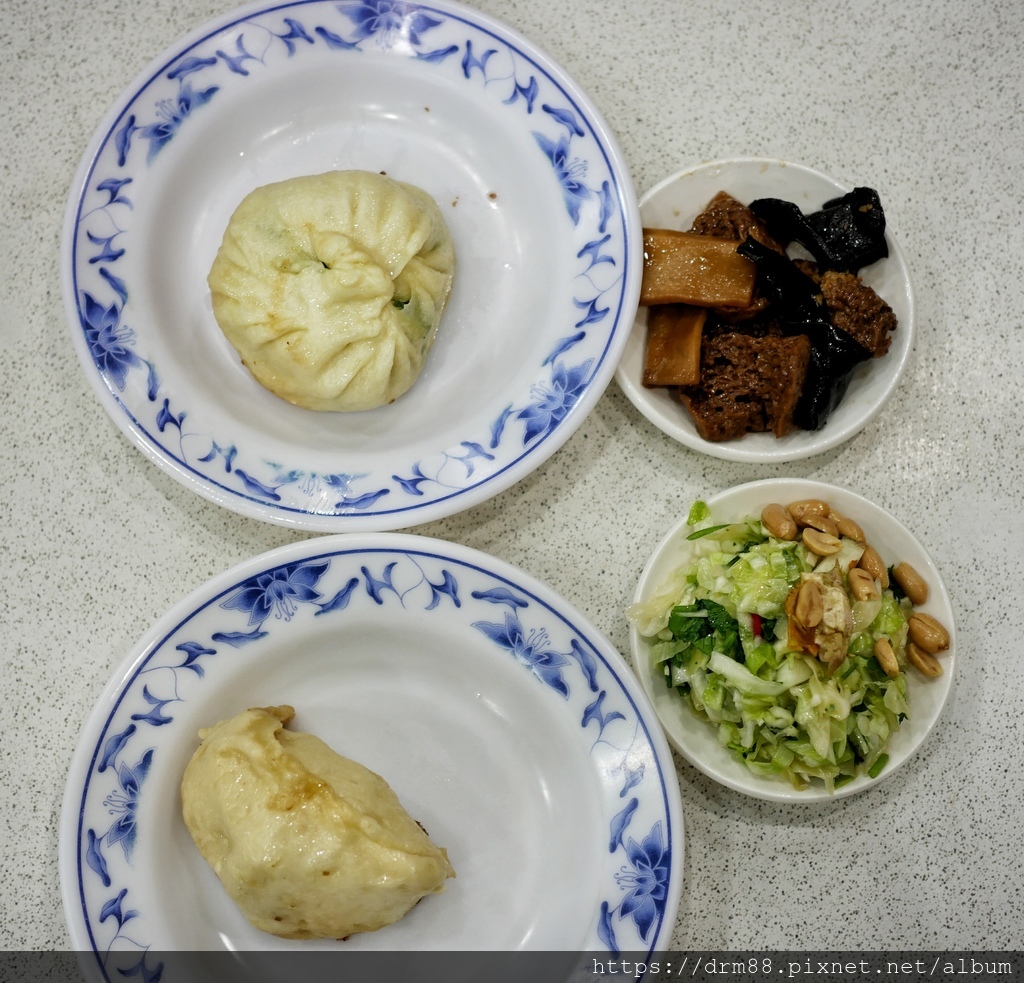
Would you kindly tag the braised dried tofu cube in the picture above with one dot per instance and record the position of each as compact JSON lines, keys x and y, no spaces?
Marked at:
{"x":747,"y":385}
{"x":686,"y":268}
{"x":672,"y":355}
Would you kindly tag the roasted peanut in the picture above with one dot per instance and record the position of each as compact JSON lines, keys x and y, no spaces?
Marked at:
{"x":849,"y":529}
{"x":822,"y":523}
{"x":887,"y":658}
{"x":862,"y":584}
{"x":806,"y":507}
{"x":810,"y":606}
{"x":778,"y":522}
{"x":873,"y":563}
{"x":923,"y":661}
{"x":927,"y":633}
{"x":912,"y":583}
{"x":820,"y":543}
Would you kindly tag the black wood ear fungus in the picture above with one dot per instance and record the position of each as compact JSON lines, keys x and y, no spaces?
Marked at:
{"x":799,"y":309}
{"x":847,"y":233}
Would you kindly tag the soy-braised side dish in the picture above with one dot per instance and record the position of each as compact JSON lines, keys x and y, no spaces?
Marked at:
{"x":789,"y":634}
{"x":749,"y":339}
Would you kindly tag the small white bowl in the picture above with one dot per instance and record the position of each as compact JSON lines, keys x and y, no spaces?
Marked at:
{"x":674,"y":203}
{"x":695,"y":739}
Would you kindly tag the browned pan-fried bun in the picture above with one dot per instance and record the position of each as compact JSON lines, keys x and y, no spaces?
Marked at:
{"x":307,"y":843}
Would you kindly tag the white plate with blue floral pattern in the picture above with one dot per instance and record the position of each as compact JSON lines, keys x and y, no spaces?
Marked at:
{"x":533,"y":186}
{"x":504,"y":721}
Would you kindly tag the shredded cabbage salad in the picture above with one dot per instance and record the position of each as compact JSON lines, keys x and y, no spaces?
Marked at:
{"x":719,"y":630}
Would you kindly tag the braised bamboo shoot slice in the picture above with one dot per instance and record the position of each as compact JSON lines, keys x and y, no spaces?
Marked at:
{"x":686,"y":268}
{"x":672,"y":356}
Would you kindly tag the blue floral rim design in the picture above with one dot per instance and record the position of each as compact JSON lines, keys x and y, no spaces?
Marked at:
{"x":600,"y":220}
{"x":386,"y":576}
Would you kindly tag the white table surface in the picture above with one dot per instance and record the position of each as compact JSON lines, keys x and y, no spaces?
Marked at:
{"x":923,"y":100}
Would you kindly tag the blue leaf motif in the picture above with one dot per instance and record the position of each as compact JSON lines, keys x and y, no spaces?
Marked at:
{"x":193,"y":651}
{"x":566,"y":117}
{"x":563,"y":346}
{"x":607,"y":201}
{"x":605,"y":932}
{"x":187,"y":66}
{"x":473,"y":450}
{"x":165,"y":418}
{"x":257,"y":487}
{"x":113,"y":747}
{"x":341,"y":481}
{"x":593,"y":250}
{"x":619,"y":823}
{"x":500,"y":595}
{"x":228,"y":453}
{"x":237,"y":639}
{"x":107,"y":253}
{"x":595,"y":712}
{"x":94,"y":857}
{"x":362,"y":501}
{"x":112,"y":909}
{"x":587,"y":664}
{"x":433,"y":57}
{"x":123,"y":140}
{"x":594,"y":313}
{"x":116,"y":284}
{"x":412,"y":485}
{"x":296,"y":32}
{"x":156,"y":717}
{"x":448,"y":587}
{"x":152,"y":382}
{"x":471,"y":61}
{"x":528,"y":92}
{"x":236,"y":63}
{"x":341,"y":599}
{"x":375,"y":588}
{"x":498,"y":427}
{"x":148,"y":974}
{"x":634,"y":776}
{"x":335,"y":40}
{"x":113,"y":187}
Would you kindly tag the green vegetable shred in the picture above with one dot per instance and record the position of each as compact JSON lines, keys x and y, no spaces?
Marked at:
{"x":720,"y":633}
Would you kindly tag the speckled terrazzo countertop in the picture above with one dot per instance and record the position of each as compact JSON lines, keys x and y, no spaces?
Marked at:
{"x":922,"y":100}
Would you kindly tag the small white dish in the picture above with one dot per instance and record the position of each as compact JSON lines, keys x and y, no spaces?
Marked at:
{"x":533,"y":186}
{"x":696,"y":739}
{"x":674,"y":203}
{"x":504,"y":721}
